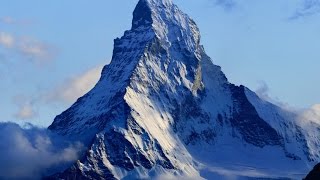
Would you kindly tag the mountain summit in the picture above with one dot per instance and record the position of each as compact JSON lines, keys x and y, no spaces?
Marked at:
{"x":162,"y":109}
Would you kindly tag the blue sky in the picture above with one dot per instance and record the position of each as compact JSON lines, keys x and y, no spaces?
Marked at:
{"x":51,"y":52}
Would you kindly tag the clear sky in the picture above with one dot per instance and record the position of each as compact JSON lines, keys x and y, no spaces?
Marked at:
{"x":51,"y":52}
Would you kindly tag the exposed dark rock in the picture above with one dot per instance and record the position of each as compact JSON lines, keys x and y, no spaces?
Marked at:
{"x":314,"y":174}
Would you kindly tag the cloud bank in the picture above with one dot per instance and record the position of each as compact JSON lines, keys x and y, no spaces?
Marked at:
{"x":31,"y":153}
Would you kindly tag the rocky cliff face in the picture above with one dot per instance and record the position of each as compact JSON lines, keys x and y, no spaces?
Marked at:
{"x":162,"y":108}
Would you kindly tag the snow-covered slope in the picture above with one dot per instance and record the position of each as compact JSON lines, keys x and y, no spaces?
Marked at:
{"x":162,"y":109}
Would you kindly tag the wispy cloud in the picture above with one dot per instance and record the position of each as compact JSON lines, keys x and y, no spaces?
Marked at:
{"x":74,"y":87}
{"x":36,"y":50}
{"x":12,"y":21}
{"x":28,"y":48}
{"x":303,"y":116}
{"x":312,"y":114}
{"x":263,"y":91}
{"x":308,"y":8}
{"x":26,"y":112}
{"x":7,"y":20}
{"x":26,"y":109}
{"x":64,"y":93}
{"x":226,"y":4}
{"x":304,"y":8}
{"x":31,"y":153}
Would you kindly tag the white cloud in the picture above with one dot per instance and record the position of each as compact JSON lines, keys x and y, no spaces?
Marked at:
{"x":31,"y":153}
{"x":6,"y":40}
{"x":75,"y":87}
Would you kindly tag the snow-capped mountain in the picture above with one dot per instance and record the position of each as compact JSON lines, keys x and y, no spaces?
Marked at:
{"x":162,"y":109}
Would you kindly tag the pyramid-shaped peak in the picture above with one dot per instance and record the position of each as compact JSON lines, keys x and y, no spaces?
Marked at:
{"x":146,"y":11}
{"x":161,"y":100}
{"x":168,"y":22}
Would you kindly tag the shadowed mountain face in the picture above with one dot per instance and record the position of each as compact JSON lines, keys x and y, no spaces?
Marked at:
{"x":314,"y":174}
{"x":163,"y":109}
